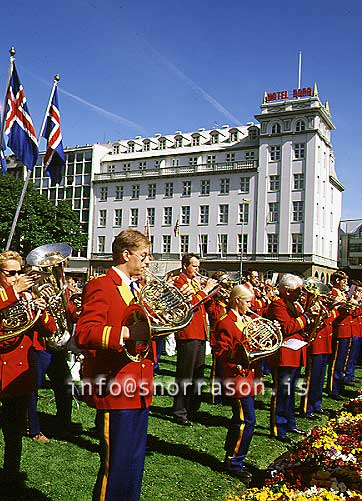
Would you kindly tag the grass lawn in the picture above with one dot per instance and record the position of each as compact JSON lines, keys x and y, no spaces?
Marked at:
{"x":184,"y":463}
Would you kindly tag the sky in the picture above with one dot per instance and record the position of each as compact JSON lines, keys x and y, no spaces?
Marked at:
{"x":137,"y":68}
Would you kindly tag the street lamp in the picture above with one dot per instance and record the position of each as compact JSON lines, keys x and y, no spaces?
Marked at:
{"x":245,"y":202}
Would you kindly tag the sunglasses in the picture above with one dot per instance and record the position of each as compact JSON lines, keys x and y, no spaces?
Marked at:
{"x":12,"y":273}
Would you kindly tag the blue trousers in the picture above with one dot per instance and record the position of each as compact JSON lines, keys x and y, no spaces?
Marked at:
{"x":337,"y":366}
{"x":352,"y":360}
{"x":282,"y":403}
{"x":240,"y":432}
{"x":315,"y":375}
{"x":123,"y":440}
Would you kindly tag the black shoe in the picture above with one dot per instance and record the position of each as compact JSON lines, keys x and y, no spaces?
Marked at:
{"x":13,"y":478}
{"x":311,"y":415}
{"x":336,"y":397}
{"x":297,"y":431}
{"x":183,"y":421}
{"x":244,"y":475}
{"x":282,"y":438}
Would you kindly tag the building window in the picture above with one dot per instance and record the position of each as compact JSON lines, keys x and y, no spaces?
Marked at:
{"x":204,"y":214}
{"x":244,"y":213}
{"x":126,"y":167}
{"x":135,"y":191}
{"x":300,"y":126}
{"x":134,"y":217}
{"x":244,"y":184}
{"x":274,"y":153}
{"x":273,"y":212}
{"x":299,"y":181}
{"x":151,"y":215}
{"x":253,"y":133}
{"x":102,"y":220}
{"x":244,"y":239}
{"x":175,"y":162}
{"x":184,"y":244}
{"x":276,"y":129}
{"x":101,"y":244}
{"x":223,"y":214}
{"x":115,"y":149}
{"x":178,"y":141}
{"x":299,"y":150}
{"x":119,"y":192}
{"x":157,"y":164}
{"x":298,"y":211}
{"x":117,"y":217}
{"x":167,"y":216}
{"x":111,"y":169}
{"x":224,"y":186}
{"x":214,"y":138}
{"x":274,"y":183}
{"x":142,"y":165}
{"x":211,"y":159}
{"x":230,"y":158}
{"x":205,"y":187}
{"x":186,"y":188}
{"x":185,"y":214}
{"x":166,"y":244}
{"x":130,"y":148}
{"x":234,"y":135}
{"x":162,"y":144}
{"x":193,"y":161}
{"x":250,"y":155}
{"x":297,"y":243}
{"x":146,"y":146}
{"x":223,"y":244}
{"x":196,"y":140}
{"x":103,"y":194}
{"x":272,"y":243}
{"x":152,"y":190}
{"x":168,"y":189}
{"x":203,"y":244}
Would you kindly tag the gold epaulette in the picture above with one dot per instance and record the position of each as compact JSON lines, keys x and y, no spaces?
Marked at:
{"x":223,"y":316}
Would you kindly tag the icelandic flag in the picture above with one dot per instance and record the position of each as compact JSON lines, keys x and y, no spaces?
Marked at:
{"x":18,"y":124}
{"x":54,"y":158}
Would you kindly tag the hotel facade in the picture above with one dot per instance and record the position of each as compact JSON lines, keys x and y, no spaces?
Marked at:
{"x":263,"y":195}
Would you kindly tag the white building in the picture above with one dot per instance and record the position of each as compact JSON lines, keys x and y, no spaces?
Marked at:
{"x":265,"y":195}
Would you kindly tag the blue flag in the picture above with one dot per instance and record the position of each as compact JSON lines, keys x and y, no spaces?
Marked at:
{"x":3,"y":159}
{"x":54,"y":158}
{"x":18,"y":125}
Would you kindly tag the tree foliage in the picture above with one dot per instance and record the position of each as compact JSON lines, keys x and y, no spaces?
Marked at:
{"x":40,"y":221}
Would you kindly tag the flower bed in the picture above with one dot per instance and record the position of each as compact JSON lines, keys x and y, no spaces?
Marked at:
{"x":354,"y":406}
{"x":285,"y":494}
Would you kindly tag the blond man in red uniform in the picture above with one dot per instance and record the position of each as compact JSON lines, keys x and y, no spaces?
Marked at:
{"x":121,"y":386}
{"x":17,"y":362}
{"x":191,"y":343}
{"x":239,"y":383}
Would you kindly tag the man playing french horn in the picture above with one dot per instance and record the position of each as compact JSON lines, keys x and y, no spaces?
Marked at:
{"x":18,"y":372}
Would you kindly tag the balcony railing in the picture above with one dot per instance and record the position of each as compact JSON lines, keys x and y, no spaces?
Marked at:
{"x":179,"y":170}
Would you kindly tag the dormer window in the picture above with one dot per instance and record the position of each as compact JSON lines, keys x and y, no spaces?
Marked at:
{"x":276,"y":129}
{"x":131,"y":147}
{"x":214,"y":138}
{"x":162,"y":143}
{"x":178,"y":142}
{"x":146,"y":145}
{"x":234,"y":135}
{"x":253,"y":133}
{"x":196,"y":140}
{"x":300,"y":126}
{"x":115,"y":149}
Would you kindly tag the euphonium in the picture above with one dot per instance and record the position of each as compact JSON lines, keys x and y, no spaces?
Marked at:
{"x":262,"y":338}
{"x":50,"y":260}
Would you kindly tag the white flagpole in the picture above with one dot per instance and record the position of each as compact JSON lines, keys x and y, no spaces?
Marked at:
{"x":179,"y":233}
{"x":12,"y":52}
{"x":300,"y":70}
{"x":200,"y":246}
{"x":27,"y":179}
{"x":220,"y":246}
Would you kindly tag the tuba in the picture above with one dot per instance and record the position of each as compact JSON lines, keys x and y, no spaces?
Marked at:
{"x":49,"y":260}
{"x":316,"y":293}
{"x":262,"y":338}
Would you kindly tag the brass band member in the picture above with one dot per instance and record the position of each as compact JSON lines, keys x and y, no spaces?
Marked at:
{"x":239,"y":383}
{"x":18,"y":374}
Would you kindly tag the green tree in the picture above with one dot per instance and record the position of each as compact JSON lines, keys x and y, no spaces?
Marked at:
{"x":40,"y":221}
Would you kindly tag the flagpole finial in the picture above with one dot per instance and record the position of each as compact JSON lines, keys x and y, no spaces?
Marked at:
{"x":12,"y":52}
{"x":57,"y":77}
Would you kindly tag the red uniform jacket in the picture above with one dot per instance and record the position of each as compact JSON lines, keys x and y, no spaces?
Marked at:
{"x":115,"y":381}
{"x":293,"y":323}
{"x":17,"y":362}
{"x":198,"y":327}
{"x":237,"y":382}
{"x":322,"y":343}
{"x":215,"y":310}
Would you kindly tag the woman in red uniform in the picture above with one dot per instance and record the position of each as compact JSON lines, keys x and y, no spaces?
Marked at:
{"x":239,"y":383}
